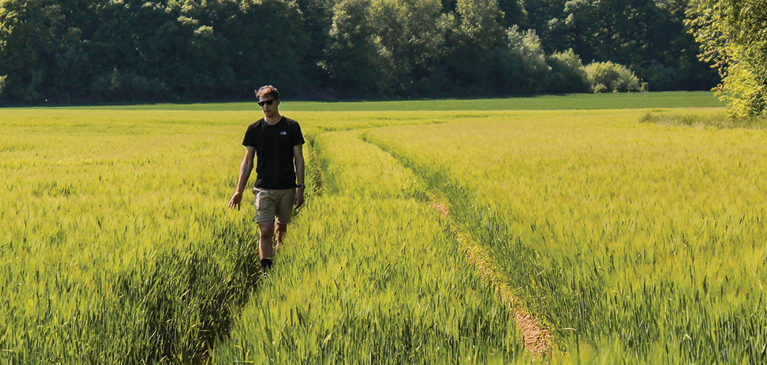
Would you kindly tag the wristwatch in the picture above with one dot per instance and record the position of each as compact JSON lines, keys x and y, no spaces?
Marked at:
{"x":302,"y":186}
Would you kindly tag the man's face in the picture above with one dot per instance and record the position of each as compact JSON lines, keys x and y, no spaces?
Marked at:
{"x":268,"y":105}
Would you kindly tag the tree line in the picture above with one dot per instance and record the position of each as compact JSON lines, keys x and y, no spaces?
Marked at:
{"x":72,"y":51}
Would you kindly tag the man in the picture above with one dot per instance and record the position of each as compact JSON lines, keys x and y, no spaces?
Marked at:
{"x":277,"y":142}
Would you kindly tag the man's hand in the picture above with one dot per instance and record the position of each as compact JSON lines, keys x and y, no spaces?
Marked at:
{"x":298,"y":200}
{"x":235,"y":201}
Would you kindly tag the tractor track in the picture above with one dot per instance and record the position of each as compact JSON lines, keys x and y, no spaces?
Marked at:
{"x":537,"y":340}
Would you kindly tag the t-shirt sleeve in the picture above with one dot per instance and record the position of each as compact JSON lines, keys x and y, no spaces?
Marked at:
{"x":298,"y":137}
{"x":250,"y":137}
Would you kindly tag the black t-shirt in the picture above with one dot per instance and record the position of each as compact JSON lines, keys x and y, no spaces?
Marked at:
{"x":274,"y":152}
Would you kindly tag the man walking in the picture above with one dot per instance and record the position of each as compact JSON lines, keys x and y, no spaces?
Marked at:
{"x":277,"y":143}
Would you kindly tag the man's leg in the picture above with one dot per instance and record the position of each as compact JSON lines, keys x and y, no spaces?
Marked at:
{"x":265,"y":250}
{"x":282,"y":231}
{"x":284,"y":212}
{"x":265,"y":211}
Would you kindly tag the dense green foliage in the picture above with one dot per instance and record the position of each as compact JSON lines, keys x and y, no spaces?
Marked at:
{"x":610,"y":77}
{"x":140,"y":50}
{"x":127,"y":50}
{"x":647,"y":36}
{"x":733,"y":34}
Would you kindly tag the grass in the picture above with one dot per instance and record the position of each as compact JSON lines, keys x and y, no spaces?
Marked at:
{"x":113,"y":247}
{"x":694,"y":99}
{"x":717,"y":120}
{"x":632,"y":242}
{"x":372,"y":275}
{"x":116,"y":243}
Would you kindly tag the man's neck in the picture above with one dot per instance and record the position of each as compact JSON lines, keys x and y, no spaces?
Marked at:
{"x":273,"y":119}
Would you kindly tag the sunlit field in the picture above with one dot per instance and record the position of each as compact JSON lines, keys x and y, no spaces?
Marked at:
{"x":676,"y":99}
{"x":630,"y":242}
{"x":633,"y":241}
{"x":372,"y":275}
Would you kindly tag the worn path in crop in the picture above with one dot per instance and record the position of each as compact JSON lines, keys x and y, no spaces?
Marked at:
{"x":537,"y":340}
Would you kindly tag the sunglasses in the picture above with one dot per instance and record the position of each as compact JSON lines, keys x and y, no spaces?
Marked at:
{"x":266,"y":102}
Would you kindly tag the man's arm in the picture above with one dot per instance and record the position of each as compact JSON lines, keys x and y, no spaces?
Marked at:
{"x":245,"y":168}
{"x":298,"y":158}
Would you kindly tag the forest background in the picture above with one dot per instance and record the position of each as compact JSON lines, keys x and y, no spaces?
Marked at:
{"x":94,"y":51}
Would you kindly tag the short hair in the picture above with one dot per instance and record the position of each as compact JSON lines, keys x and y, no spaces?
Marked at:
{"x":267,"y":90}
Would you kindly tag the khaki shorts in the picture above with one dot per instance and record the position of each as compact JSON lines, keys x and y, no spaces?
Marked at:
{"x":274,"y":203}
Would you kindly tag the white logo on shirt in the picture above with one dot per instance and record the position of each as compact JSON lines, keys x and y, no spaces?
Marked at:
{"x":283,"y":133}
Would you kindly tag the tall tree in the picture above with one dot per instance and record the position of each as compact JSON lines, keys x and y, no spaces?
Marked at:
{"x":41,"y":54}
{"x":530,"y":60}
{"x":513,"y":12}
{"x":137,"y":45}
{"x":318,"y":19}
{"x":351,"y":55}
{"x":734,"y":37}
{"x":381,"y":47}
{"x":268,"y":43}
{"x":411,"y":34}
{"x":649,"y":36}
{"x":538,"y":15}
{"x":605,"y":30}
{"x":475,"y":47}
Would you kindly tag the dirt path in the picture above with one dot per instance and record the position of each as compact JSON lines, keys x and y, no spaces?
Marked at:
{"x":537,"y":339}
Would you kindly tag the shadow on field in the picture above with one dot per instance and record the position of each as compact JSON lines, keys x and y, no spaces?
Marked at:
{"x":180,"y":302}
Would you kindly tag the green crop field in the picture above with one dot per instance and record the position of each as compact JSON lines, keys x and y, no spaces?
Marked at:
{"x":676,"y":99}
{"x":429,"y":226}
